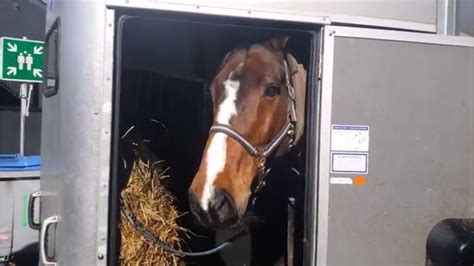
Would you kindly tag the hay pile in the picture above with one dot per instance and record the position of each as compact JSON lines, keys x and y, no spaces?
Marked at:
{"x":147,"y":197}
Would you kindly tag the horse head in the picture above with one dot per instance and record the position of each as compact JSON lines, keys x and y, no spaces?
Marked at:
{"x":254,"y":118}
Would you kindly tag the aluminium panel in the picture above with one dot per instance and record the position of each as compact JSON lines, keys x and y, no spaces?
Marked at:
{"x":76,"y":135}
{"x":416,"y":95}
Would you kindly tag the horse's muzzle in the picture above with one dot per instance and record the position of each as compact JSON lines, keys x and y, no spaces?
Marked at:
{"x":221,"y":212}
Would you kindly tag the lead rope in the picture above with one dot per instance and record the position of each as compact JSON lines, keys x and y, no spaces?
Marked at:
{"x":151,"y":237}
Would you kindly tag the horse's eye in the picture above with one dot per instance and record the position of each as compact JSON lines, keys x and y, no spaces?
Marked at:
{"x":272,"y":90}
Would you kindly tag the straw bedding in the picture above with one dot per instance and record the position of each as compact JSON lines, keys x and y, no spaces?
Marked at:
{"x":147,"y":197}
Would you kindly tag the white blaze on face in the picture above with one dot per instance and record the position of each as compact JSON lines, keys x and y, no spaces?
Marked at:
{"x":216,"y":153}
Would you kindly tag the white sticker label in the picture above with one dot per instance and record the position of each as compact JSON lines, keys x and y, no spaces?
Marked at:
{"x":349,"y":163}
{"x":341,"y":180}
{"x":350,"y":138}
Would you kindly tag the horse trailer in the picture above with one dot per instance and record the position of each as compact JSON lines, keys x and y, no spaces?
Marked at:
{"x":385,"y":171}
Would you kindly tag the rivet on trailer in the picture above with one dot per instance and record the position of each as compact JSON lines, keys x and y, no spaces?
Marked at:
{"x":383,"y":167}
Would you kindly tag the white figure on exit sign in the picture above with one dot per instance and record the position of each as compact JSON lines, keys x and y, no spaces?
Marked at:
{"x":21,"y":61}
{"x":29,"y":62}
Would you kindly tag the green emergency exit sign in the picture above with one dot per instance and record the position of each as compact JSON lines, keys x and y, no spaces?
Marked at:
{"x":21,"y":60}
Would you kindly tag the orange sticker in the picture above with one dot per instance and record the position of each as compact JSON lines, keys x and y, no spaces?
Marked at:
{"x":359,"y":180}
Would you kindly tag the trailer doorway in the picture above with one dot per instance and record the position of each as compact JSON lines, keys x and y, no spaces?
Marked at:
{"x":164,"y":64}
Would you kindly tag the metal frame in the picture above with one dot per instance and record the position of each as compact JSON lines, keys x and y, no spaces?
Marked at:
{"x":324,"y":147}
{"x":401,"y":36}
{"x":275,"y":14}
{"x":312,"y":151}
{"x":105,"y":140}
{"x":223,"y":11}
{"x":381,"y":23}
{"x":113,"y":250}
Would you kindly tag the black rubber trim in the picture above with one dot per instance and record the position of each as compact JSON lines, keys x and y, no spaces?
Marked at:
{"x":55,"y":28}
{"x":313,"y":111}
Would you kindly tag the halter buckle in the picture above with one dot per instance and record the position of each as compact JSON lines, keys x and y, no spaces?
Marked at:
{"x":291,"y":134}
{"x":260,"y":160}
{"x":262,"y":173}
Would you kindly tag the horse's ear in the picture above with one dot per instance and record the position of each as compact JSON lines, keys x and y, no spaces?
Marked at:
{"x":278,"y":43}
{"x":226,"y":58}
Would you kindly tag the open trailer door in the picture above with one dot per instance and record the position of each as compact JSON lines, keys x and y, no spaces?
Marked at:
{"x":178,"y":91}
{"x":396,"y":149}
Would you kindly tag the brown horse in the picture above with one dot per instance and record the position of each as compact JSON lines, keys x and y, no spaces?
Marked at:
{"x":255,"y":116}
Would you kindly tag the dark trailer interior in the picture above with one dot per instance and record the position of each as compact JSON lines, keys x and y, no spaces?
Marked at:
{"x":164,"y":64}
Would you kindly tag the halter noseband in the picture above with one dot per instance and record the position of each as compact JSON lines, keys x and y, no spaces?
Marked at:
{"x":260,"y":154}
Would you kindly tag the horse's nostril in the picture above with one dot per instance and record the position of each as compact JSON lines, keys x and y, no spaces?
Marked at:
{"x":222,"y":208}
{"x":195,"y":207}
{"x":220,"y":201}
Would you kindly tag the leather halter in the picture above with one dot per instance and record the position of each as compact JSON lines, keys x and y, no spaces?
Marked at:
{"x":260,"y":154}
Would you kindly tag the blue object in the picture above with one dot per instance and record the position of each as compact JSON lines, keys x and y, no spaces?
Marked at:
{"x":16,"y":162}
